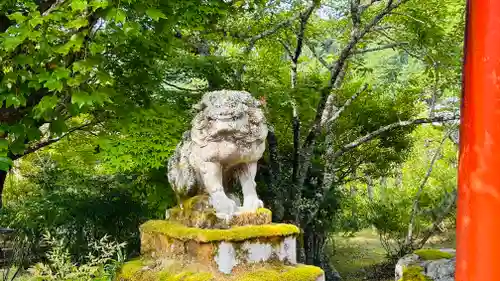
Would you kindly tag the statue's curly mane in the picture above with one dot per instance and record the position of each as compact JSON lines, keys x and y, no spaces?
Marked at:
{"x":202,"y":124}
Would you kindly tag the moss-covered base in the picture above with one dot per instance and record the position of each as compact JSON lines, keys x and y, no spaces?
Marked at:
{"x":239,"y":233}
{"x":211,"y":247}
{"x":197,"y":212}
{"x":170,"y":270}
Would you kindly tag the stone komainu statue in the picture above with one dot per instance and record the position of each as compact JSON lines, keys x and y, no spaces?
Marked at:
{"x":226,"y":140}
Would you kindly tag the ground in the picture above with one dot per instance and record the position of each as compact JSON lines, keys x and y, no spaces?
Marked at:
{"x":362,"y":257}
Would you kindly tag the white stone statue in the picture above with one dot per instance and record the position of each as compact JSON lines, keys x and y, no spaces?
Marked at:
{"x":227,"y":139}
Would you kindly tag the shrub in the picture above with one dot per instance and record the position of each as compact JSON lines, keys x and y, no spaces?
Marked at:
{"x":100,"y":263}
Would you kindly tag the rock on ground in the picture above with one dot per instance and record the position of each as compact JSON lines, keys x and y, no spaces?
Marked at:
{"x":435,"y":268}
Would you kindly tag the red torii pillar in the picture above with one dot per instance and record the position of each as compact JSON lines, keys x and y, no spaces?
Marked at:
{"x":478,"y":222}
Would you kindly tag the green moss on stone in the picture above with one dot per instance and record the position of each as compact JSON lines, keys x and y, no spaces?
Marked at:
{"x":264,"y":211}
{"x":237,"y":233}
{"x":198,"y":212}
{"x":190,"y":276}
{"x":130,"y":268}
{"x":414,"y":273}
{"x":285,"y":273}
{"x":433,"y":254}
{"x":136,"y":270}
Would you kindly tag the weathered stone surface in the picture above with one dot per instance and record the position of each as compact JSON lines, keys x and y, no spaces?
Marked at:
{"x":222,"y":249}
{"x":226,"y":140}
{"x":197,"y":212}
{"x":435,"y":265}
{"x":229,"y":255}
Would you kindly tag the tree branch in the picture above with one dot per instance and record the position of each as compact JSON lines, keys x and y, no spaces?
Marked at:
{"x":408,"y":16}
{"x":380,"y":48}
{"x":355,"y":12}
{"x":294,"y":56}
{"x":43,"y":144}
{"x":286,"y":46}
{"x":384,"y":129}
{"x":269,"y":32}
{"x":415,"y":206}
{"x":328,"y":175}
{"x":182,"y":88}
{"x":358,"y":35}
{"x":304,"y":18}
{"x":432,"y":229}
{"x":347,"y":103}
{"x":52,"y":7}
{"x":363,"y":8}
{"x":336,"y":70}
{"x":339,"y":64}
{"x":253,"y":40}
{"x":317,"y":56}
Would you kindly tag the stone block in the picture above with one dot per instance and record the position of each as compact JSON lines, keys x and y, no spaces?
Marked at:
{"x":221,"y":249}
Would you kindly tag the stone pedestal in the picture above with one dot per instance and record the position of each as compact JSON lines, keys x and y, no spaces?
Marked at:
{"x":173,"y":251}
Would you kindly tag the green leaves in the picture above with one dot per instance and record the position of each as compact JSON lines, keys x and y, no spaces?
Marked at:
{"x":58,"y":126}
{"x":97,"y":4}
{"x":77,"y":23}
{"x":54,"y":84}
{"x":120,"y":16}
{"x":81,"y":98}
{"x":78,"y":5}
{"x":17,"y":17}
{"x":51,"y":61}
{"x":45,"y":105}
{"x":62,"y":73}
{"x":14,"y":100}
{"x":4,"y":146}
{"x":5,"y":163}
{"x":117,"y":15}
{"x":98,"y":97}
{"x":36,"y":20}
{"x":155,"y":14}
{"x":101,"y":97}
{"x":74,"y":44}
{"x":24,"y":60}
{"x":96,"y":48}
{"x":11,"y":42}
{"x":77,"y":80}
{"x":85,"y":66}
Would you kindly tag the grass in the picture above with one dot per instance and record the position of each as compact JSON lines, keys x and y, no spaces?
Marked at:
{"x":362,"y":257}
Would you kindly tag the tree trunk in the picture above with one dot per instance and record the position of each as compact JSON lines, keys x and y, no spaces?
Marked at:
{"x":314,"y":247}
{"x":369,"y":187}
{"x":416,"y":201}
{"x":3,"y":177}
{"x":354,"y":207}
{"x":399,"y":178}
{"x":383,"y":186}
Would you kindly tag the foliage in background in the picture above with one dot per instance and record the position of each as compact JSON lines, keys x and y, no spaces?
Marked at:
{"x":389,"y":207}
{"x":77,"y":207}
{"x":99,"y":265}
{"x":157,"y":58}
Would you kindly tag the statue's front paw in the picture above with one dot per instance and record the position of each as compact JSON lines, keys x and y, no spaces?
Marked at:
{"x":252,"y":203}
{"x":224,"y":207}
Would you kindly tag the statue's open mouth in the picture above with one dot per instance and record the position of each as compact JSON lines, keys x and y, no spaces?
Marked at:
{"x":226,"y":117}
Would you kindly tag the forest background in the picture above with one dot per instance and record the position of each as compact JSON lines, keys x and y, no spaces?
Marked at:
{"x":361,"y":98}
